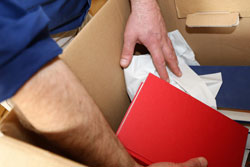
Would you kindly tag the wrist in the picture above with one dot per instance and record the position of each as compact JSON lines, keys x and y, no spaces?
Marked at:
{"x":143,"y":5}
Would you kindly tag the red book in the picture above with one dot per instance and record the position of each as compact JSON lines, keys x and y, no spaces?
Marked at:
{"x":164,"y":124}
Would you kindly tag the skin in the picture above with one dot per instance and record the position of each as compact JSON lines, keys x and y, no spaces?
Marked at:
{"x":153,"y":35}
{"x":54,"y":104}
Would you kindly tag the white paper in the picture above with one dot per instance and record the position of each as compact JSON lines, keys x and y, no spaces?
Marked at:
{"x":195,"y":86}
{"x":245,"y":158}
{"x":213,"y":82}
{"x":204,"y":88}
{"x":248,"y":142}
{"x":182,"y":50}
{"x":237,"y":116}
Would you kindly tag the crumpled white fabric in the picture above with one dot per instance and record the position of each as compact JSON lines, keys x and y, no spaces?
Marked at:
{"x":203,"y":88}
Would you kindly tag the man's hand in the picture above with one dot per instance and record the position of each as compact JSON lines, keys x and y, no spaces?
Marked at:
{"x":195,"y":162}
{"x":146,"y":26}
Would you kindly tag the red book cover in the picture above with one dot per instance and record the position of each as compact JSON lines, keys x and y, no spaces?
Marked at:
{"x":164,"y":124}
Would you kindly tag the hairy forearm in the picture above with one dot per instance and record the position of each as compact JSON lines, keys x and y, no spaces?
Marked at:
{"x":55,"y":104}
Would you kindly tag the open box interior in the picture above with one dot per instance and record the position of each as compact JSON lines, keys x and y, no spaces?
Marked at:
{"x":94,"y":54}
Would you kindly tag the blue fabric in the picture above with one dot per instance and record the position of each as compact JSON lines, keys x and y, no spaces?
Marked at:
{"x":64,"y":15}
{"x":26,"y":46}
{"x":235,"y":90}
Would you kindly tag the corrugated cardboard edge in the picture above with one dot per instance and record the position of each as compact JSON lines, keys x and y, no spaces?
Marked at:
{"x":213,"y":19}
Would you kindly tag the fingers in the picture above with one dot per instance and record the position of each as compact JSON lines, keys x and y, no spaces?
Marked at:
{"x":196,"y":162}
{"x":163,"y":54}
{"x":158,"y":60}
{"x":128,"y":50}
{"x":170,"y":57}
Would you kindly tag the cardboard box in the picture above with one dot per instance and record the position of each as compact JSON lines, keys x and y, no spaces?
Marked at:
{"x":2,"y":111}
{"x":16,"y":153}
{"x":95,"y":53}
{"x":23,"y":148}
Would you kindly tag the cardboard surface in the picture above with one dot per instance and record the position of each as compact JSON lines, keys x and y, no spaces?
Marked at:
{"x":96,"y":5}
{"x":94,"y":54}
{"x":14,"y":153}
{"x":212,"y":46}
{"x":94,"y":57}
{"x":213,"y":19}
{"x":11,"y":126}
{"x":185,"y":7}
{"x":2,"y":111}
{"x":164,"y":124}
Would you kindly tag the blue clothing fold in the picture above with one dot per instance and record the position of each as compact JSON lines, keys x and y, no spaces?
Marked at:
{"x":25,"y":28}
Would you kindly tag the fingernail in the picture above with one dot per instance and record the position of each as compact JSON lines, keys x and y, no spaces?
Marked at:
{"x":203,"y":161}
{"x":168,"y":80}
{"x":124,"y":62}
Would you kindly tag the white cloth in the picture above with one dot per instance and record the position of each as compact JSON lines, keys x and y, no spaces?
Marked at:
{"x":204,"y":88}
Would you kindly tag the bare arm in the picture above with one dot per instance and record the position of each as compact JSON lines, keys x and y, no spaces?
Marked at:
{"x":56,"y":105}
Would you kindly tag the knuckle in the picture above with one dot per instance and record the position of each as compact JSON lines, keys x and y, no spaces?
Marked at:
{"x":160,"y":61}
{"x":171,"y":57}
{"x":155,"y":37}
{"x":158,"y":36}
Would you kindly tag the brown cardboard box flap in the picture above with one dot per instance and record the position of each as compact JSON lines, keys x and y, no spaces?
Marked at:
{"x":94,"y":57}
{"x":213,"y":19}
{"x":185,"y":7}
{"x":16,"y":153}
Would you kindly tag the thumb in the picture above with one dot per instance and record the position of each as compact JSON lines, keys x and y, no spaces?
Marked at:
{"x":196,"y":162}
{"x":128,"y":50}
